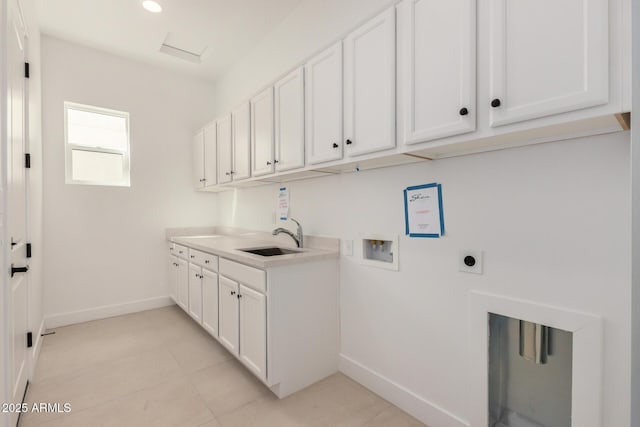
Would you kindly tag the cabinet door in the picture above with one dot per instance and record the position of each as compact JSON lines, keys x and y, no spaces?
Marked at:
{"x":210,"y":155}
{"x":241,"y":142}
{"x":323,"y":98}
{"x":173,"y":277}
{"x":198,"y":159}
{"x":210,"y":301}
{"x":370,"y":86}
{"x":289,"y":121}
{"x":183,"y":284}
{"x":225,"y":153}
{"x":262,"y":133}
{"x":195,"y":292}
{"x":438,"y":68}
{"x":547,"y":57}
{"x":228,"y":316}
{"x":253,"y":331}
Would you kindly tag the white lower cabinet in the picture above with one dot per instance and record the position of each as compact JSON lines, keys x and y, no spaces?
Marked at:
{"x":253,"y":331}
{"x":195,"y":292}
{"x":228,"y":308}
{"x":172,"y":273}
{"x":210,"y":301}
{"x":183,"y":284}
{"x":281,"y":323}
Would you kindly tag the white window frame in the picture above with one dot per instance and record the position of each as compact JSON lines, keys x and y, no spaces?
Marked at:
{"x":126,"y":159}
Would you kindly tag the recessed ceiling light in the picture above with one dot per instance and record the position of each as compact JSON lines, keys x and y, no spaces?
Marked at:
{"x":152,"y":6}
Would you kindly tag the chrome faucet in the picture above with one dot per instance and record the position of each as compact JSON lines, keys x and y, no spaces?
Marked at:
{"x":296,"y":237}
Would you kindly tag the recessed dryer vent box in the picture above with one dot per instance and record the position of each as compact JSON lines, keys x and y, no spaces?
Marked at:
{"x":380,"y":251}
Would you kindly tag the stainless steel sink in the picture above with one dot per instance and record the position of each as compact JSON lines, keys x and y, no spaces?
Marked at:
{"x":271,"y":251}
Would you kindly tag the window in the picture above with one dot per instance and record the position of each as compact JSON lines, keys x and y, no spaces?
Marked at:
{"x":96,"y":145}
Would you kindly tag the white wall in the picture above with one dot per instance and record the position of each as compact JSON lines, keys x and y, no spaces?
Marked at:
{"x":553,"y":220}
{"x":105,"y":245}
{"x":635,"y":183}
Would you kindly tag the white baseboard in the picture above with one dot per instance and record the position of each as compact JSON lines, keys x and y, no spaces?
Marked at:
{"x":103,"y":312}
{"x":406,"y":400}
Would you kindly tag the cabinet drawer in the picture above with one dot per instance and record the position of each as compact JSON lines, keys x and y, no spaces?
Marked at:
{"x":203,"y":259}
{"x":180,"y":251}
{"x":249,"y":276}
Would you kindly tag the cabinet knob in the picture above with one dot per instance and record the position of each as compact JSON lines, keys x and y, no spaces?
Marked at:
{"x":496,"y":103}
{"x":349,"y":142}
{"x":227,"y":173}
{"x":464,"y":111}
{"x":239,"y":296}
{"x":268,"y":163}
{"x":335,"y":145}
{"x":206,"y":261}
{"x":193,"y":256}
{"x":276,"y":161}
{"x":233,"y":292}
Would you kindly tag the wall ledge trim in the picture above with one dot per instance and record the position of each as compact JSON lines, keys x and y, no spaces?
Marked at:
{"x":106,"y":311}
{"x":415,"y":405}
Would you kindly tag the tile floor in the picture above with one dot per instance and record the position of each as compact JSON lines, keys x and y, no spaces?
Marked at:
{"x":159,"y":368}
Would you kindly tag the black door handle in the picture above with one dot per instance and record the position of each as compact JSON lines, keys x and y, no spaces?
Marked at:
{"x":15,"y":270}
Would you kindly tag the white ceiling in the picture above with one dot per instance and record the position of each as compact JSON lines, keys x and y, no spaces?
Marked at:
{"x":228,"y":28}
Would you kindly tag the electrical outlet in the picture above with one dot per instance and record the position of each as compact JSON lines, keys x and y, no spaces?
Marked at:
{"x":347,"y":249}
{"x":470,"y":261}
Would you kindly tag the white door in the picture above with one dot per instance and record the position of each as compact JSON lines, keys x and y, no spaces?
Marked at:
{"x":210,"y":155}
{"x":253,"y":331}
{"x":547,"y":57}
{"x":438,"y":68}
{"x":210,"y":301}
{"x":228,"y":316}
{"x":225,"y":152}
{"x":195,"y":292}
{"x":370,"y":86}
{"x":15,"y":241}
{"x":183,"y":284}
{"x":173,"y":277}
{"x":262,"y":158}
{"x":323,"y":99}
{"x":289,"y":121}
{"x":241,"y":142}
{"x":198,"y":159}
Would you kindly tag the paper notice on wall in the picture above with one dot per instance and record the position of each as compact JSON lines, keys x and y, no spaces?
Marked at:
{"x":282,"y":210}
{"x":423,"y":211}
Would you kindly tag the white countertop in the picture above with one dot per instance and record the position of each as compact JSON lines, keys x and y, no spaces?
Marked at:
{"x":227,"y":246}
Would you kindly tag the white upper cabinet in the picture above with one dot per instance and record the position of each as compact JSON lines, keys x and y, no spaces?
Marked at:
{"x":225,"y":149}
{"x":370,"y":86}
{"x":205,"y":162}
{"x":262,"y":158}
{"x":241,"y":130}
{"x":210,"y":155}
{"x":438,"y":70}
{"x":547,"y":57}
{"x":198,"y":159}
{"x":289,"y":121}
{"x":323,"y":98}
